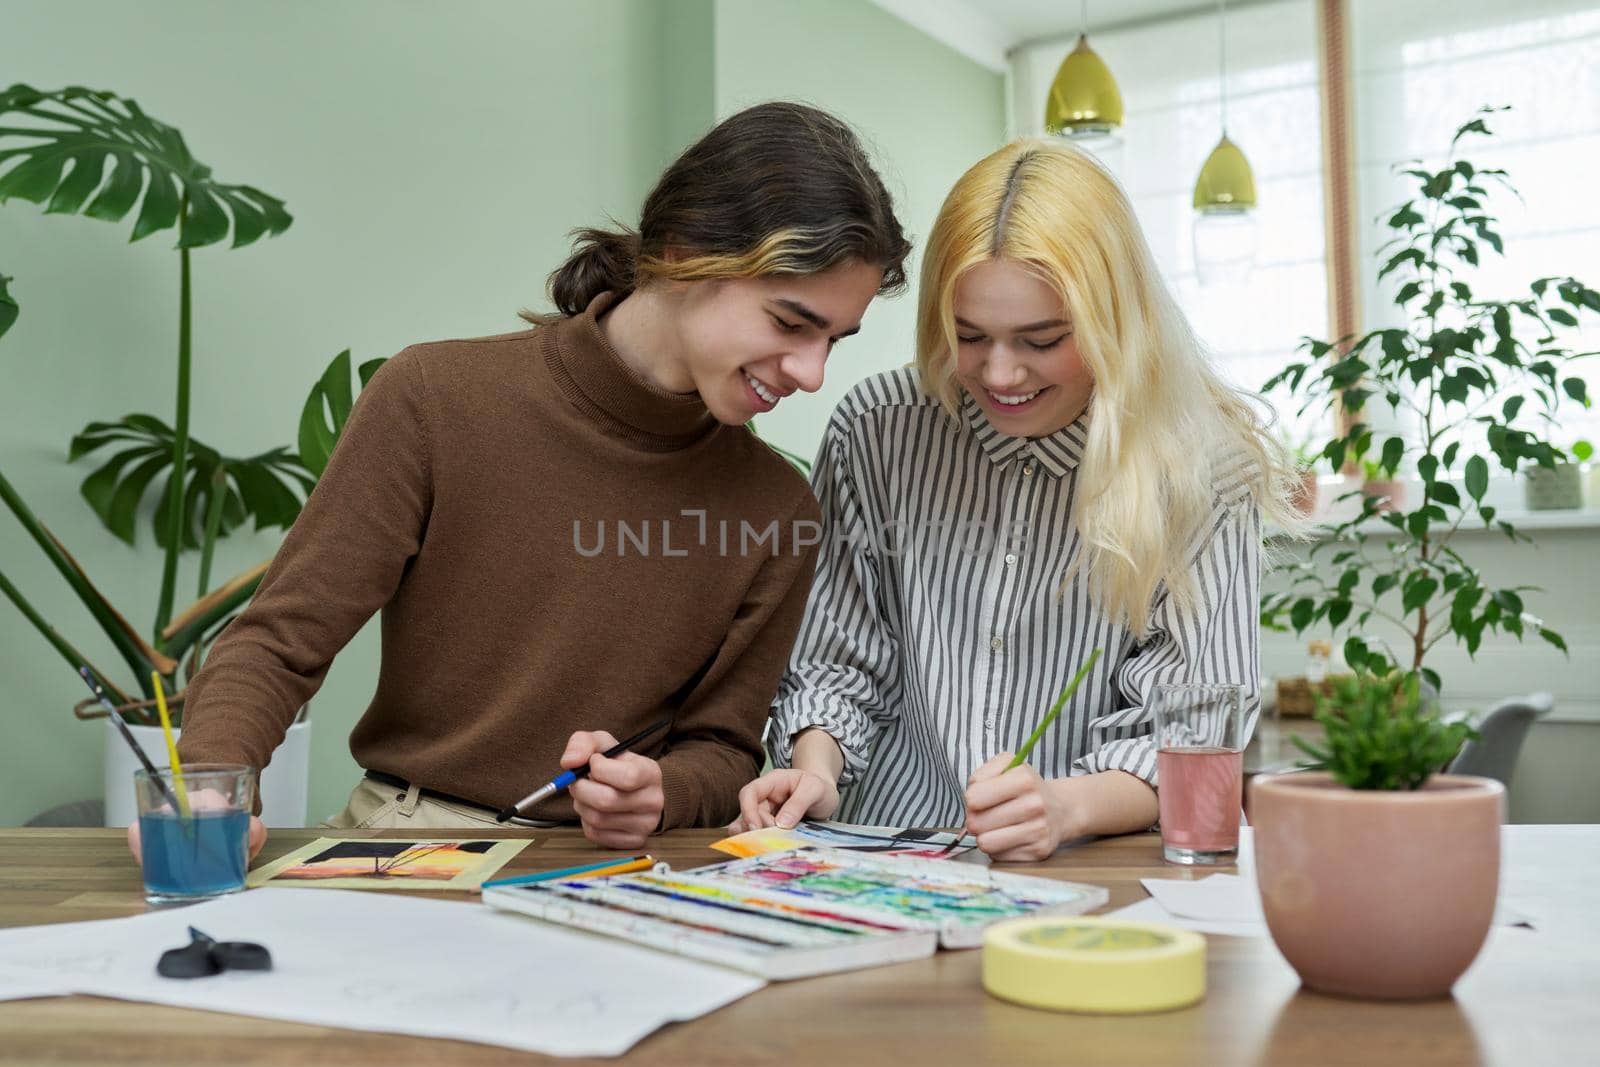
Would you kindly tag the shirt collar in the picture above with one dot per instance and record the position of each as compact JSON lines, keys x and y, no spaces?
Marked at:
{"x":1057,"y":453}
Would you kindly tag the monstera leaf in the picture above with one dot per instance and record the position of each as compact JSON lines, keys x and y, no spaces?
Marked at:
{"x":94,"y":153}
{"x":268,"y":488}
{"x":328,"y":408}
{"x":8,"y":307}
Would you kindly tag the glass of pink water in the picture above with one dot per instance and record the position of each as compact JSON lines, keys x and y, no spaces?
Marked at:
{"x":1200,"y":739}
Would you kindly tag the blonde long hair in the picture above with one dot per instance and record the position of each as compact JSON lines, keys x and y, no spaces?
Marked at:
{"x":1165,"y":433}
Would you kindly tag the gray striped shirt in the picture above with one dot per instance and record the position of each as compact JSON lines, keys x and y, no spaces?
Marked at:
{"x":937,"y":634}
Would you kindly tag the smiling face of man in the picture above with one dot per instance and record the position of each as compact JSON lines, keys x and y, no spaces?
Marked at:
{"x":746,"y":344}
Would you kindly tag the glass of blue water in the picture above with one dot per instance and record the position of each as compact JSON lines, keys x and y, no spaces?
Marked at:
{"x":204,"y":852}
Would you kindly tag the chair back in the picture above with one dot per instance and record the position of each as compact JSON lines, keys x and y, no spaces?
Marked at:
{"x":1500,"y":736}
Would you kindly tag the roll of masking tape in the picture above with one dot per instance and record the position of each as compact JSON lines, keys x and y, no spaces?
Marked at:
{"x":1094,"y":965}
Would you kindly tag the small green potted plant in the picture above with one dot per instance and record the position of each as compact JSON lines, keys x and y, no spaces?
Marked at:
{"x":1378,"y":873}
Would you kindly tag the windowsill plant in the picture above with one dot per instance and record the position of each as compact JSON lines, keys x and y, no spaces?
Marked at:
{"x":1557,"y":488}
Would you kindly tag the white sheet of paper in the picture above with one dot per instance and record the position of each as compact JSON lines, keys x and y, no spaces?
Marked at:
{"x":1231,"y":905}
{"x":1149,"y":910}
{"x":370,"y":961}
{"x":33,"y":959}
{"x":22,"y":984}
{"x":1225,"y":898}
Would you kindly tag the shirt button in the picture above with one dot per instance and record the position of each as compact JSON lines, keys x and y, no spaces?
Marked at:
{"x":989,"y":722}
{"x":996,"y":644}
{"x":1011,"y":559}
{"x":1027,"y":470}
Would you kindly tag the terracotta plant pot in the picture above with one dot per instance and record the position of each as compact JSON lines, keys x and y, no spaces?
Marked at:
{"x":1378,"y":894}
{"x":1305,"y":495}
{"x":1391,"y":494}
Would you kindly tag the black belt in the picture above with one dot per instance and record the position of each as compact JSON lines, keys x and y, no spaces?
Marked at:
{"x":432,"y":794}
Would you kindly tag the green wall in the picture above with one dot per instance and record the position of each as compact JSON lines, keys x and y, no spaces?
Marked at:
{"x":434,"y":157}
{"x":926,"y":112}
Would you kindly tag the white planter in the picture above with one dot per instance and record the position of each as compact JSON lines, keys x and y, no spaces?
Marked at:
{"x":283,"y":784}
{"x":1558,"y":488}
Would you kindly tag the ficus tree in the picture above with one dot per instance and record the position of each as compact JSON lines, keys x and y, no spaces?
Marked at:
{"x":1479,"y":382}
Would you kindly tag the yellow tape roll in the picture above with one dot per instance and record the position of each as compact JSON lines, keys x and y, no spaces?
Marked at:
{"x":1094,"y":965}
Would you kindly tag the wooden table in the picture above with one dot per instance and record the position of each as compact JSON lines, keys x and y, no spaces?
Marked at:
{"x":1532,"y":997}
{"x":1272,"y":748}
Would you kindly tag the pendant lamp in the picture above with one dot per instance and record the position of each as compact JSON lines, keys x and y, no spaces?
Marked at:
{"x":1084,"y":103}
{"x":1224,"y":196}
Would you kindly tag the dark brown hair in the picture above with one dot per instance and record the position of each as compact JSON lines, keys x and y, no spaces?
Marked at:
{"x":779,"y":188}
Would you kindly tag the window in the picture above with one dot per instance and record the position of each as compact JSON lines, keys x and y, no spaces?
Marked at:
{"x":1168,"y":76}
{"x":1422,"y":70}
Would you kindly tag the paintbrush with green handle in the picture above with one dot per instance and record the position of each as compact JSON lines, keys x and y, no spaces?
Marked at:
{"x":1061,"y":701}
{"x":1038,"y":731}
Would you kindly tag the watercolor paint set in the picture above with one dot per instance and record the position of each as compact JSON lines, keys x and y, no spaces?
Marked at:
{"x":801,"y":912}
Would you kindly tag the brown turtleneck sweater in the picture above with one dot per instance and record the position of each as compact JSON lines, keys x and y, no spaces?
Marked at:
{"x":475,"y":499}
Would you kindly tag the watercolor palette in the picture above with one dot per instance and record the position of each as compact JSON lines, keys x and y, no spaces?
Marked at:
{"x":955,"y":900}
{"x":802,"y":912}
{"x":663,"y":910}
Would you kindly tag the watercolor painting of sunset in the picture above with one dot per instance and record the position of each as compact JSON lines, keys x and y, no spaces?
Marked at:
{"x":389,"y":864}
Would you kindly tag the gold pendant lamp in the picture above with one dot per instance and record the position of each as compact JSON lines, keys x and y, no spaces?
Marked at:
{"x":1226,"y":183}
{"x":1084,"y":103}
{"x":1224,"y":195}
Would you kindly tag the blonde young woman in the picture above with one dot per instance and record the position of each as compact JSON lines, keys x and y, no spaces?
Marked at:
{"x":1061,"y":471}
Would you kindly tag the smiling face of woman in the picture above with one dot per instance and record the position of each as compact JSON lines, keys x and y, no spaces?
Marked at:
{"x":1015,"y":351}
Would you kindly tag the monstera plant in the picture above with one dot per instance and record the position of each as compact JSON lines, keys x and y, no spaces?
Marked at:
{"x":8,"y":307}
{"x":95,"y":154}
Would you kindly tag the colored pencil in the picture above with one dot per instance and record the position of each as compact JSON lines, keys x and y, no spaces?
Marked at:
{"x":591,"y":870}
{"x":566,"y":778}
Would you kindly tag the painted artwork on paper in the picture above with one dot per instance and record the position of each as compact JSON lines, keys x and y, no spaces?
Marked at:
{"x":389,"y":864}
{"x":915,"y":889}
{"x":915,"y":841}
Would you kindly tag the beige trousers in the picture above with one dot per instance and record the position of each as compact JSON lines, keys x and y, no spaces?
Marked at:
{"x":375,"y":806}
